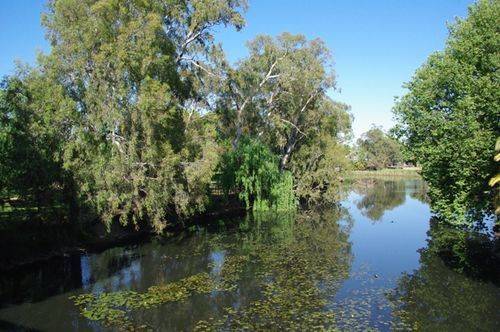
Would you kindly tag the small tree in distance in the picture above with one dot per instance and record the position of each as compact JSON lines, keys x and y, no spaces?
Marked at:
{"x":376,"y":150}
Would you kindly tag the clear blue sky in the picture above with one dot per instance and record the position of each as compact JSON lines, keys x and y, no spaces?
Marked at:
{"x":377,"y":45}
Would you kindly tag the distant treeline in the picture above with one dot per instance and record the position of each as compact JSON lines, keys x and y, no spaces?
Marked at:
{"x":376,"y":150}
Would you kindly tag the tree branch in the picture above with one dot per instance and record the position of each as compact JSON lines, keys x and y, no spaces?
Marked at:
{"x":314,"y":94}
{"x":191,"y":37}
{"x":197,"y":64}
{"x":268,"y":75}
{"x":292,"y":124}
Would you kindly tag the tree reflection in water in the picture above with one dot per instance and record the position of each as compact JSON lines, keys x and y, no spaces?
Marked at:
{"x":456,"y":287}
{"x":273,"y":272}
{"x":379,"y":196}
{"x":300,"y":262}
{"x":277,"y":271}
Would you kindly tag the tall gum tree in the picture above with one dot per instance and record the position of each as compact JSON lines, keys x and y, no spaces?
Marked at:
{"x":279,"y":95}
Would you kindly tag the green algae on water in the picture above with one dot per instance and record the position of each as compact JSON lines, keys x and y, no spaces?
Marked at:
{"x":293,"y":264}
{"x":295,"y":274}
{"x":231,"y":271}
{"x":112,"y":308}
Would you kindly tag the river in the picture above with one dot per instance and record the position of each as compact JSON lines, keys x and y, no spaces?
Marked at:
{"x":369,"y":263}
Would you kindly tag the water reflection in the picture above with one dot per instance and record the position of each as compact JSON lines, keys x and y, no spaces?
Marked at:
{"x":44,"y":279}
{"x":379,"y":195}
{"x":298,"y":262}
{"x":331,"y":267}
{"x":301,"y":257}
{"x":454,"y":287}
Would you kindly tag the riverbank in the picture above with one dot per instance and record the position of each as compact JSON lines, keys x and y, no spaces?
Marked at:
{"x":391,"y":173}
{"x":32,"y":242}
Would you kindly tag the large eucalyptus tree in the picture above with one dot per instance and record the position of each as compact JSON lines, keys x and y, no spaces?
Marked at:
{"x":279,"y":95}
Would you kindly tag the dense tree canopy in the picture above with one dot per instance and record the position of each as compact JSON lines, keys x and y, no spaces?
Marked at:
{"x":135,"y":104}
{"x":278,"y":95}
{"x":28,"y":167}
{"x":34,"y":124}
{"x":125,"y":68}
{"x":450,"y":116}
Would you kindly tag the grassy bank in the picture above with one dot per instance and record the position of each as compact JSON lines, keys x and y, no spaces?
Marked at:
{"x":411,"y":173}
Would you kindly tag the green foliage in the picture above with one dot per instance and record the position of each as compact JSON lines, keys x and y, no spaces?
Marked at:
{"x":449,"y":117}
{"x":376,"y":150}
{"x":278,"y":94}
{"x":30,"y":166}
{"x":15,"y":140}
{"x":252,"y":171}
{"x":136,"y":149}
{"x":112,"y":308}
{"x":129,"y":113}
{"x":319,"y":168}
{"x":282,"y":193}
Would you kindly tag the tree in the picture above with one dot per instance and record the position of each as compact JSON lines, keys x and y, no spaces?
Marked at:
{"x":278,"y":94}
{"x":15,"y":141}
{"x":30,"y":159}
{"x":252,"y":171}
{"x":449,"y":117}
{"x":377,"y":150}
{"x":130,"y":69}
{"x":138,"y":102}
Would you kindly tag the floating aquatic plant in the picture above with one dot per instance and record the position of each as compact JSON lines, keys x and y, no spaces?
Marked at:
{"x":231,"y":271}
{"x":112,"y":308}
{"x":295,"y":275}
{"x":294,"y":266}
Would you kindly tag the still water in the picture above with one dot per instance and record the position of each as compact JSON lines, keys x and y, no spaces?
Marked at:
{"x":370,"y":264}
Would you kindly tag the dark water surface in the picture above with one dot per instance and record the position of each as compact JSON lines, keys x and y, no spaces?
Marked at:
{"x":371,"y":264}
